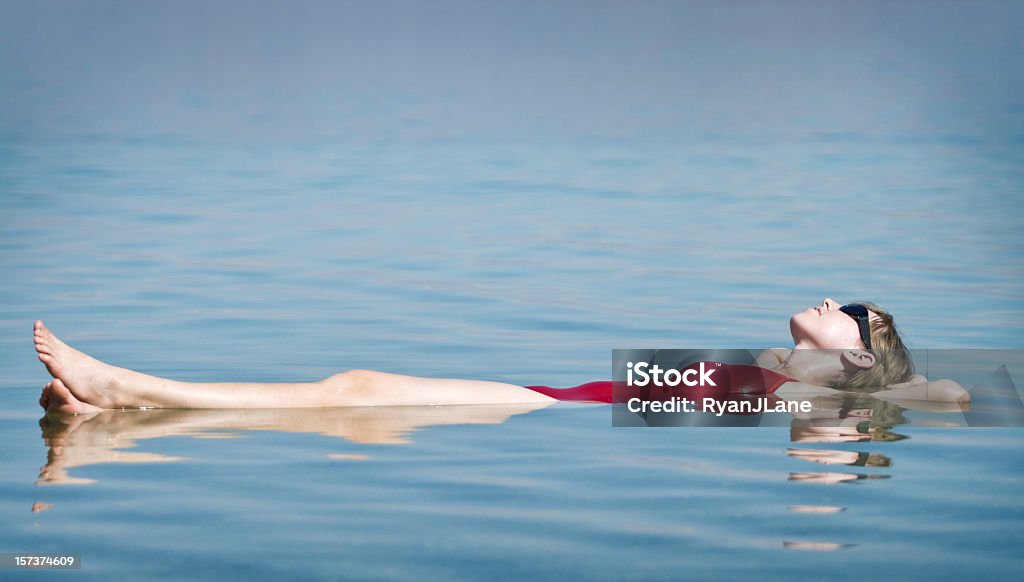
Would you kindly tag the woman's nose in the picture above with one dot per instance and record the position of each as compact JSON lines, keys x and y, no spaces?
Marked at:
{"x":829,"y":304}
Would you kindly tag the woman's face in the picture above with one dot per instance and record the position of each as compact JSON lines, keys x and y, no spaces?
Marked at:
{"x":825,"y":327}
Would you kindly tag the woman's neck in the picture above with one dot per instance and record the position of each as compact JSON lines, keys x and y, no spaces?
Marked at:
{"x":809,"y":366}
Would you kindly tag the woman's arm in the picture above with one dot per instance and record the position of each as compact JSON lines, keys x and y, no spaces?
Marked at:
{"x":935,"y":391}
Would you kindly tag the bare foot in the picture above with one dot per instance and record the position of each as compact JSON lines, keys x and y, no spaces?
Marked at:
{"x":86,"y":380}
{"x":57,"y":398}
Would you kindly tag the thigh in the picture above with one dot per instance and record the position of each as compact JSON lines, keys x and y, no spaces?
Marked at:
{"x":371,"y":388}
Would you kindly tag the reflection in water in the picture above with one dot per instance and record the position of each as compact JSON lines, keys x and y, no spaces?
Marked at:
{"x":816,"y":546}
{"x":108,"y":437}
{"x":832,"y":478}
{"x":849,"y":418}
{"x":86,"y":439}
{"x":830,"y":457}
{"x":89,"y":439}
{"x":804,"y":432}
{"x":39,"y":507}
{"x":816,"y":508}
{"x":347,"y":457}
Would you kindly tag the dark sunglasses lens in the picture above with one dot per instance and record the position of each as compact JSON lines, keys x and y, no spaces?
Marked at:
{"x":860,"y":313}
{"x":854,"y":310}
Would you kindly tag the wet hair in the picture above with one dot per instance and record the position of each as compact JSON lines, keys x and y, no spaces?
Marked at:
{"x":893,"y":363}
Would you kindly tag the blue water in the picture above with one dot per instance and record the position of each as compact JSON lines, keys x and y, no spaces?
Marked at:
{"x":451,"y":196}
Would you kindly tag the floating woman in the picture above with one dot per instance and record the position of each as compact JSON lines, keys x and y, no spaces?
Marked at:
{"x":853,"y":347}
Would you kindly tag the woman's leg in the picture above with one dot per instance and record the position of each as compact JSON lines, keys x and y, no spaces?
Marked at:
{"x":105,"y":386}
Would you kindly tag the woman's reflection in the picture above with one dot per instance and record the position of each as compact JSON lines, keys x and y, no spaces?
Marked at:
{"x":102,"y":437}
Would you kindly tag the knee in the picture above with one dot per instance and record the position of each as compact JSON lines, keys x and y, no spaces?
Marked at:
{"x":352,"y":381}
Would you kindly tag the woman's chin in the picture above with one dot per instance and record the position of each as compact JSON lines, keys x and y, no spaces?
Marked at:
{"x":795,"y":328}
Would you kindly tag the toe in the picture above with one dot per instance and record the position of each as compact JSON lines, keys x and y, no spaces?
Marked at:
{"x":44,"y":398}
{"x":60,"y":390}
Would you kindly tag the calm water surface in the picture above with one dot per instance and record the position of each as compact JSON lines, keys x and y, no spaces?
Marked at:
{"x":551,"y":493}
{"x":204,"y":261}
{"x":507,"y":192}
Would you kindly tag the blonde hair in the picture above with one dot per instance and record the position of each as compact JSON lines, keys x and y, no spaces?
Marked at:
{"x":893,"y":363}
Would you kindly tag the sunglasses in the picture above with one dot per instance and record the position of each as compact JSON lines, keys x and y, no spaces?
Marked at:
{"x":861,"y":315}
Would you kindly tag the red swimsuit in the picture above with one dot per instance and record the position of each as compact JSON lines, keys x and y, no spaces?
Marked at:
{"x":736,"y":381}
